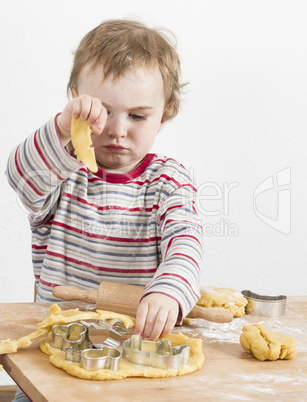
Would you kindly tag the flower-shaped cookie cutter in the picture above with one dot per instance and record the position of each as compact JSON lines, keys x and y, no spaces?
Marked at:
{"x":155,"y":354}
{"x":70,"y":336}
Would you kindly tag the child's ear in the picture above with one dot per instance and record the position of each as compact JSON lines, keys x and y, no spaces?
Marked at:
{"x":162,"y":124}
{"x":74,"y":92}
{"x":163,"y":120}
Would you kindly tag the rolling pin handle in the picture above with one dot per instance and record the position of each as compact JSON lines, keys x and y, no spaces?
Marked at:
{"x":70,"y":293}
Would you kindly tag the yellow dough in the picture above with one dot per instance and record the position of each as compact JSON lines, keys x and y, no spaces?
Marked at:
{"x":265,"y":344}
{"x":250,"y":306}
{"x":127,"y":369}
{"x":58,"y":316}
{"x":81,"y":140}
{"x":9,"y":346}
{"x":229,"y":299}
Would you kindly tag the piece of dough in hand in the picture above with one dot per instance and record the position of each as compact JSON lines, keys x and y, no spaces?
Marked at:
{"x":81,"y":140}
{"x":265,"y":344}
{"x":229,"y":299}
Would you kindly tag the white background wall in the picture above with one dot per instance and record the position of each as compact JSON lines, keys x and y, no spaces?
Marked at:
{"x":243,"y":120}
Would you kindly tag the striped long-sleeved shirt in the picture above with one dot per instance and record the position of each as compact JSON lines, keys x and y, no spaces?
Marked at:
{"x":137,"y":228}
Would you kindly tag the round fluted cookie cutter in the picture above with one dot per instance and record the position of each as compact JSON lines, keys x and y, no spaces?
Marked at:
{"x":264,"y":306}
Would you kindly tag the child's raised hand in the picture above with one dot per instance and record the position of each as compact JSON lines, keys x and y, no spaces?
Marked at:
{"x":156,"y":315}
{"x":86,"y":107}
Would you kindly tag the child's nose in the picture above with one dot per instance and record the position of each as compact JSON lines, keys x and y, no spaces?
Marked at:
{"x":116,"y":127}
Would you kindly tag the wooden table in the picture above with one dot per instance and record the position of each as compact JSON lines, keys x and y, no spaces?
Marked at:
{"x":227,"y":374}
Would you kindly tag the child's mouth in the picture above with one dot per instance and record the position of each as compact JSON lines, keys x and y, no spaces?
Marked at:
{"x":115,"y":148}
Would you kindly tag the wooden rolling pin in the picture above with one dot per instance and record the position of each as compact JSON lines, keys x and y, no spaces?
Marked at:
{"x":124,"y":299}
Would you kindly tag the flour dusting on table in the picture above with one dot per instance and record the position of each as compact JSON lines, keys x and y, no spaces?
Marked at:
{"x":230,"y":332}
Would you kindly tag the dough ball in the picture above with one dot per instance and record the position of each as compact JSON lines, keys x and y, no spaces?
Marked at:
{"x":229,"y":299}
{"x":265,"y":344}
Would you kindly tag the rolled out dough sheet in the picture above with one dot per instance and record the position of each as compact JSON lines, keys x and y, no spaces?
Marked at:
{"x":127,"y":369}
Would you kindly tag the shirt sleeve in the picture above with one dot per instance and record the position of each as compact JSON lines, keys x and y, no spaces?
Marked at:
{"x":178,"y":274}
{"x":36,"y":170}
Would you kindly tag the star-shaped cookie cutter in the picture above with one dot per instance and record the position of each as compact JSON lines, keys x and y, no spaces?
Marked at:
{"x":155,"y":354}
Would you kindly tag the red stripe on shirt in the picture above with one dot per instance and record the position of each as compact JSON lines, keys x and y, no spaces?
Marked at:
{"x":34,"y":246}
{"x":140,"y":183}
{"x":50,"y":285}
{"x":95,"y":267}
{"x":183,"y":235}
{"x":164,"y":161}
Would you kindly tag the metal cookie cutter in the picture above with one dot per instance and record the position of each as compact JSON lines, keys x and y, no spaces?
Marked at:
{"x":264,"y":306}
{"x":156,"y":354}
{"x":98,"y":359}
{"x":69,"y":336}
{"x":73,"y":339}
{"x":111,"y":333}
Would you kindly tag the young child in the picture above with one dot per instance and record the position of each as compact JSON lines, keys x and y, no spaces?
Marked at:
{"x":134,"y":220}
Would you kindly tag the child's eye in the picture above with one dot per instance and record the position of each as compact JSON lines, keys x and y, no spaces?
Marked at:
{"x":137,"y":117}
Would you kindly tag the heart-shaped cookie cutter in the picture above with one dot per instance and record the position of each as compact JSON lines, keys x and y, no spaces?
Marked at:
{"x":155,"y":354}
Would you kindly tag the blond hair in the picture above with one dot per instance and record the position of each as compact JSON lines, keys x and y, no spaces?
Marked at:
{"x":118,"y":45}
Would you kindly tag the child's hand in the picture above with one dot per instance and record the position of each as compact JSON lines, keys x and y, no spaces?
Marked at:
{"x":156,"y":315}
{"x":86,"y":107}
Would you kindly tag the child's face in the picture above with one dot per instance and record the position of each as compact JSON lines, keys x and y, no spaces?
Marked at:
{"x":135,"y":105}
